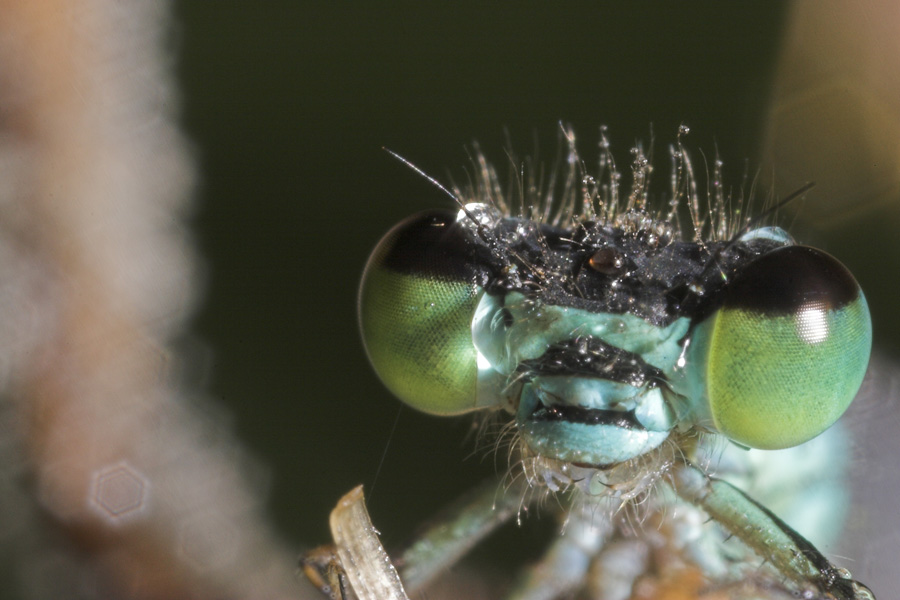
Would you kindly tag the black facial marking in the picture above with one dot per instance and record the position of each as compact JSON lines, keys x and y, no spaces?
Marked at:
{"x":592,"y":357}
{"x":587,"y":416}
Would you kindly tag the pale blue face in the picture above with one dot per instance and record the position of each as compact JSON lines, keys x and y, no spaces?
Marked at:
{"x":621,"y":419}
{"x":603,"y":340}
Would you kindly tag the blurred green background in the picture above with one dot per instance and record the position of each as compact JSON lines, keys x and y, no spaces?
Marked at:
{"x":289,"y":104}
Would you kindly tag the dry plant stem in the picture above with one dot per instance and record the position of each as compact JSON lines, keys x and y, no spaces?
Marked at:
{"x":98,"y":277}
{"x":363,"y":559}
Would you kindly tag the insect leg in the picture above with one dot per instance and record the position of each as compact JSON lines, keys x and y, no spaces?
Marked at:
{"x":563,"y":568}
{"x":767,"y":535}
{"x":456,"y":530}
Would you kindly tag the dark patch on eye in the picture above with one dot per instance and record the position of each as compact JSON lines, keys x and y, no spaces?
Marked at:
{"x":433,"y":245}
{"x":787,"y":279}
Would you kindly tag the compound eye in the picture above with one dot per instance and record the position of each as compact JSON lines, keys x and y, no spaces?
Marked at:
{"x":416,"y":303}
{"x":788,"y":348}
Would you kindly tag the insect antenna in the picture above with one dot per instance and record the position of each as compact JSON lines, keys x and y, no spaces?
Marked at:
{"x":714,"y":257}
{"x":431,"y":179}
{"x":771,"y":210}
{"x":489,"y":189}
{"x":482,"y":231}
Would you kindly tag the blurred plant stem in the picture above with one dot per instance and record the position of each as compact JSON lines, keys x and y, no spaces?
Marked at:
{"x":135,"y":488}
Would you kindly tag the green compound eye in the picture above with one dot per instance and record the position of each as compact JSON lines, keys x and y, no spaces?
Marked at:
{"x":416,"y":302}
{"x":787,"y":350}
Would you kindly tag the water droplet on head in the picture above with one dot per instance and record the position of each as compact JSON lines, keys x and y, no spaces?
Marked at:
{"x":478,"y":214}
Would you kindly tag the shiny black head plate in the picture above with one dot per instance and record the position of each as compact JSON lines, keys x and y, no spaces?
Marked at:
{"x":591,"y":266}
{"x":602,"y":268}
